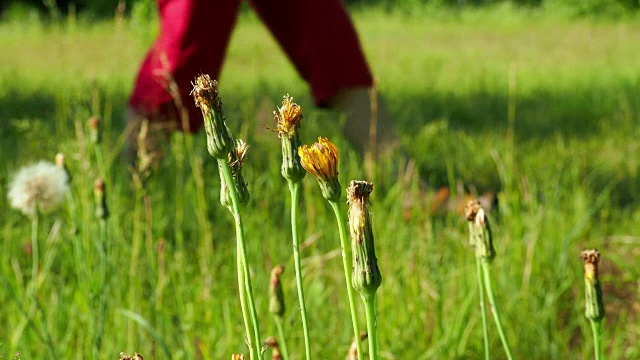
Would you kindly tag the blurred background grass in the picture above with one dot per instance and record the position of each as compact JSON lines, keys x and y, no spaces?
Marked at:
{"x":565,"y":168}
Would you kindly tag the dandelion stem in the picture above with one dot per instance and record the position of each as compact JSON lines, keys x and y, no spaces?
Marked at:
{"x":283,"y":341}
{"x":34,"y":286}
{"x":486,"y":268}
{"x":483,"y":311}
{"x":133,"y":265}
{"x":242,"y":249}
{"x":294,"y":188}
{"x":372,"y":325}
{"x":595,"y":328}
{"x":346,"y":260}
{"x":102,"y":247}
{"x":34,"y":257}
{"x":243,"y":302}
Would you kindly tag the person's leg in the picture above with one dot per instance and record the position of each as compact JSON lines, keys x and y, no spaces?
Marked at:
{"x":193,"y":39}
{"x":321,"y":41}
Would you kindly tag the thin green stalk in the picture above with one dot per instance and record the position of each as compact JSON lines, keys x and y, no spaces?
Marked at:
{"x":100,"y":160}
{"x":283,"y":340}
{"x":595,"y":328}
{"x":486,"y":268}
{"x":34,"y":285}
{"x":372,"y":325}
{"x":228,"y":177}
{"x":243,"y":302}
{"x":133,"y":266}
{"x":294,"y":188}
{"x":34,"y":257}
{"x":483,"y":311}
{"x":102,"y":247}
{"x":346,"y":261}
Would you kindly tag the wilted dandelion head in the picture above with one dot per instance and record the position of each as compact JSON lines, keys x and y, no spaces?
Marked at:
{"x":288,"y":117}
{"x":205,"y":92}
{"x":276,"y":295}
{"x":471,"y":209}
{"x":241,"y":151}
{"x":38,"y":187}
{"x":591,"y":258}
{"x":93,"y":122}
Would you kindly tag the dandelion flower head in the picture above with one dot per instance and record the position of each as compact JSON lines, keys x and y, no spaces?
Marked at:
{"x":38,"y":187}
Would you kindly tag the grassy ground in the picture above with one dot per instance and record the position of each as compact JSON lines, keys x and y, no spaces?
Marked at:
{"x":544,"y":111}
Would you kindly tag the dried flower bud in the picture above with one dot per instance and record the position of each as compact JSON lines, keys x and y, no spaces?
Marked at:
{"x":102,"y":212}
{"x":236,"y":160}
{"x":353,"y":350}
{"x":594,"y":309}
{"x":124,"y":356}
{"x":94,"y":127}
{"x":205,"y":94}
{"x":480,"y":235}
{"x":276,"y":296}
{"x":60,"y":162}
{"x":366,"y":274}
{"x":273,"y":343}
{"x":288,"y":117}
{"x":321,"y":161}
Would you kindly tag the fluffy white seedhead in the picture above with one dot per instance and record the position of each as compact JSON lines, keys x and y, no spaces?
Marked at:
{"x":38,"y":187}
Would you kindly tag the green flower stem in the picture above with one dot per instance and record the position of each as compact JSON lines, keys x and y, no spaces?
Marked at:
{"x":102,"y":246}
{"x":346,"y":260}
{"x":595,"y":328}
{"x":486,"y":268}
{"x":100,"y":160}
{"x":34,"y":257}
{"x":294,"y":188}
{"x":282,"y":341}
{"x":483,"y":311}
{"x":242,"y":247}
{"x":372,"y":325}
{"x":133,"y":266}
{"x":243,"y":302}
{"x":34,"y":286}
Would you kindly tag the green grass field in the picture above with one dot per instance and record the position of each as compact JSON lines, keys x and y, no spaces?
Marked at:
{"x":543,"y":110}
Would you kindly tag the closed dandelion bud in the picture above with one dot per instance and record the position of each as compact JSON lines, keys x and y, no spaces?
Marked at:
{"x":288,"y":117}
{"x":480,"y":235}
{"x":593,"y":292}
{"x":276,"y":296}
{"x":205,"y":94}
{"x":321,"y":161}
{"x":60,"y":162}
{"x":366,"y":274}
{"x":235,"y":158}
{"x":94,"y":127}
{"x":102,"y":212}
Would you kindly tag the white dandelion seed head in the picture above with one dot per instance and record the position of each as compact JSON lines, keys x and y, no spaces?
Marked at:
{"x":38,"y":187}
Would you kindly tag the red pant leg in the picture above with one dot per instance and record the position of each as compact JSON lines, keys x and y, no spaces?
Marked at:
{"x":320,"y":39}
{"x":194,"y":35}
